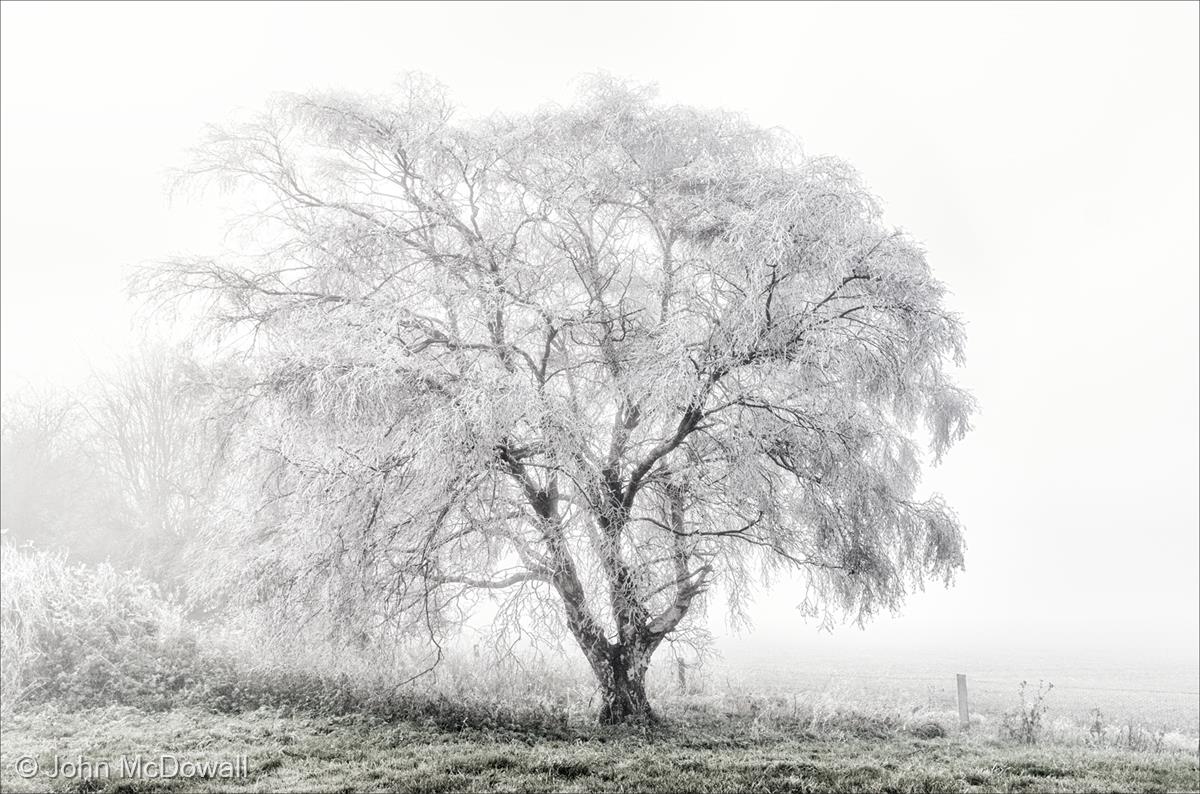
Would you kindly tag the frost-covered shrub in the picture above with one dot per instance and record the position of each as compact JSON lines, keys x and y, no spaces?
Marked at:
{"x":88,"y":636}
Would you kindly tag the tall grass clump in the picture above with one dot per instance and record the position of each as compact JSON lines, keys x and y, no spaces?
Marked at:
{"x":87,"y":636}
{"x":1024,"y":723}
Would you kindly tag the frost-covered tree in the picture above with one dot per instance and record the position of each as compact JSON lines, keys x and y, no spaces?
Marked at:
{"x":51,"y":495}
{"x":158,"y":450}
{"x":592,"y":361}
{"x":118,"y":470}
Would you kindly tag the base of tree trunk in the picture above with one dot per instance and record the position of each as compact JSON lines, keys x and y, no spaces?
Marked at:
{"x":627,"y":705}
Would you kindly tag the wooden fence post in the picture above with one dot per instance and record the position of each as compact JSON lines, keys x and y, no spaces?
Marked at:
{"x":964,"y":714}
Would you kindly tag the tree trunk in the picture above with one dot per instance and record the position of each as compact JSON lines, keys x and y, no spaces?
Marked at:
{"x":621,"y":673}
{"x":624,"y":694}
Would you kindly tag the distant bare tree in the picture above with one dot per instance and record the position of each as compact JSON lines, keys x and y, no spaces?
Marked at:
{"x":49,"y":489}
{"x":592,"y":361}
{"x":158,"y":450}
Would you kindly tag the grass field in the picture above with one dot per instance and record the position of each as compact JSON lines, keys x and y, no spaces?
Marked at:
{"x":361,"y":754}
{"x":97,"y":672}
{"x":1153,"y":694}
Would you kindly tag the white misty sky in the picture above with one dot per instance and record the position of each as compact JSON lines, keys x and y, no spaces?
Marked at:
{"x":1046,"y":155}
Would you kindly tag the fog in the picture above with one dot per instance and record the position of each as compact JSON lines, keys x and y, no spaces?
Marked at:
{"x":1055,"y":190}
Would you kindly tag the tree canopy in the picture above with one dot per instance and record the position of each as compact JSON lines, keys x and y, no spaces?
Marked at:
{"x":593,"y":360}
